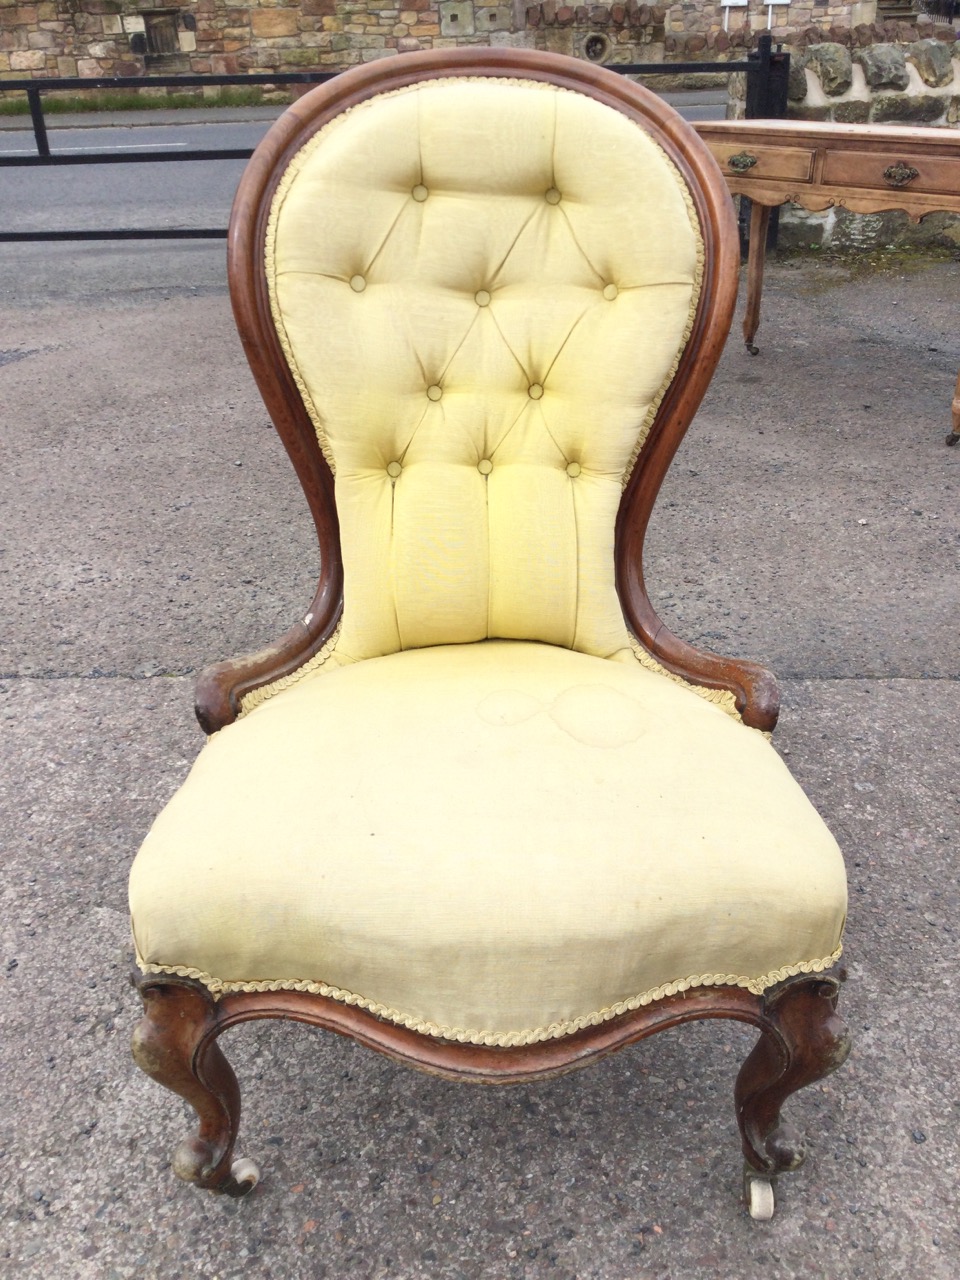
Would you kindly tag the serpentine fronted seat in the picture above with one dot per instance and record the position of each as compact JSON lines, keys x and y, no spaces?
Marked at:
{"x":480,"y":809}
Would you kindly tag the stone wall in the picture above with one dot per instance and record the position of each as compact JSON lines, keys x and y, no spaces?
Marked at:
{"x":53,"y":38}
{"x":695,"y":30}
{"x":49,"y":38}
{"x":601,"y":33}
{"x":917,"y":82}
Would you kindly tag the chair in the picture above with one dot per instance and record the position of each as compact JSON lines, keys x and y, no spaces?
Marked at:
{"x":479,"y":809}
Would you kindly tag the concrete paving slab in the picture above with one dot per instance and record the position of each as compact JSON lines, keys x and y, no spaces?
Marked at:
{"x":127,"y":430}
{"x":627,"y":1170}
{"x":134,"y":549}
{"x":815,"y":502}
{"x":794,"y":525}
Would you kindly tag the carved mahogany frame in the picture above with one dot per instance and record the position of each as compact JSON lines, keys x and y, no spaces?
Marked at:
{"x":802,"y":1039}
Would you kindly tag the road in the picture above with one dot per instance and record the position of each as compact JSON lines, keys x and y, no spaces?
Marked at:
{"x":197,"y":194}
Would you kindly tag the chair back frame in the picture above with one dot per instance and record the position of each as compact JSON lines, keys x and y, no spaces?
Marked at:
{"x":222,"y":687}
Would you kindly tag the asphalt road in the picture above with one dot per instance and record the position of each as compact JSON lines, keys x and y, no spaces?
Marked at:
{"x":195,"y":194}
{"x":167,"y":195}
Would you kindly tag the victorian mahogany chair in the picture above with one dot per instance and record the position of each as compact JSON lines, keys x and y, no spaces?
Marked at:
{"x":479,"y":809}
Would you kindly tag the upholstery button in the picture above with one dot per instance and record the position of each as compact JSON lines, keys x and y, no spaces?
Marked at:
{"x":573,"y":468}
{"x":393,"y":469}
{"x":420,"y":193}
{"x":484,"y":466}
{"x":552,"y":196}
{"x":434,"y":392}
{"x":610,"y":291}
{"x":482,"y":298}
{"x":535,"y":391}
{"x":357,"y":284}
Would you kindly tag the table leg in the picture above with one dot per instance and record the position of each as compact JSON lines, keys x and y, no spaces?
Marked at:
{"x":954,"y":435}
{"x":759,"y":221}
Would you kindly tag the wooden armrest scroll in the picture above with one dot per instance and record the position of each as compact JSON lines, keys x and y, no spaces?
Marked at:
{"x":221,"y":687}
{"x":754,"y":687}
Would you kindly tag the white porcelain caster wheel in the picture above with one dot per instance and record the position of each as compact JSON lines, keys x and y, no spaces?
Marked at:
{"x":244,"y":1176}
{"x":758,"y":1194}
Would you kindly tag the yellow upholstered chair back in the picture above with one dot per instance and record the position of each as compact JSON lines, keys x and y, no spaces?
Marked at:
{"x":482,"y":286}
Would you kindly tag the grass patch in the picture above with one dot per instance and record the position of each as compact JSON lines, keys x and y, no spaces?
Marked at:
{"x":859,"y":262}
{"x":14,"y":103}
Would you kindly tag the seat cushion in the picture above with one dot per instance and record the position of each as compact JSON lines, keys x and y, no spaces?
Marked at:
{"x":498,"y":842}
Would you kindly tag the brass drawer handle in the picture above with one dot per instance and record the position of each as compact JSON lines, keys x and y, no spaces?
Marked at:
{"x":742,"y":161}
{"x":899,"y":174}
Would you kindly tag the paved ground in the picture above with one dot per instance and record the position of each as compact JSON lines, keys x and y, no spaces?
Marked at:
{"x":149,"y":523}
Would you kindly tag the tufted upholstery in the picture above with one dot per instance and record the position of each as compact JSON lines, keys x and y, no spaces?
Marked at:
{"x":482,"y":288}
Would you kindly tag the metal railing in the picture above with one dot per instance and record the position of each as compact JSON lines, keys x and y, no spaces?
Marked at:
{"x":766,"y":71}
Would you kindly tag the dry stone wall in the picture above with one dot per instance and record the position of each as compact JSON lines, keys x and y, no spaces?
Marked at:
{"x":50,"y":38}
{"x":131,"y":37}
{"x":696,"y":30}
{"x":915,"y":82}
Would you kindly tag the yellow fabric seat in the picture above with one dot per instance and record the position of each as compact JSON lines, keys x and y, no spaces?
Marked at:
{"x":497,"y":842}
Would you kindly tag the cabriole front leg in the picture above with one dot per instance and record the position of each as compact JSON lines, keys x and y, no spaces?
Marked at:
{"x":802,"y":1040}
{"x":175,"y":1044}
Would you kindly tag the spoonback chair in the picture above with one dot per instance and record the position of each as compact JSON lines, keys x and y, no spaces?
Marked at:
{"x":479,"y":809}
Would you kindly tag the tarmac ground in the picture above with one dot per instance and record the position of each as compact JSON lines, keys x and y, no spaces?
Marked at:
{"x":150,"y":523}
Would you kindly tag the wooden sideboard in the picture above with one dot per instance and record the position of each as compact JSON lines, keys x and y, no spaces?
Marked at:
{"x":864,"y":168}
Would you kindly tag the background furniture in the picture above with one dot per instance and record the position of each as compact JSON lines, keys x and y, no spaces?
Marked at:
{"x":479,"y":809}
{"x":865,"y":168}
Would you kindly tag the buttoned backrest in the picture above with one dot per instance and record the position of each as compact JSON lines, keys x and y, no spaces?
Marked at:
{"x":482,"y":287}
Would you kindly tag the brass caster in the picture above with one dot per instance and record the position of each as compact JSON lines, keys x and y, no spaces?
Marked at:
{"x":758,"y":1194}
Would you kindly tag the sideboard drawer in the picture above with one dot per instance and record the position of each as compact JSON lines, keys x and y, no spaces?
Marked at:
{"x":892,"y":171}
{"x":745,"y":161}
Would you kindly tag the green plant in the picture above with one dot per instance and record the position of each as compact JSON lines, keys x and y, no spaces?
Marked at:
{"x":15,"y":103}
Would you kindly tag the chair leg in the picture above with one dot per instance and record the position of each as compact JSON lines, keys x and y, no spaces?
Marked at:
{"x":802,"y":1040}
{"x":175,"y":1044}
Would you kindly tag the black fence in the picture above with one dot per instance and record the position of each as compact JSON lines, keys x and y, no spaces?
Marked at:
{"x":766,"y":71}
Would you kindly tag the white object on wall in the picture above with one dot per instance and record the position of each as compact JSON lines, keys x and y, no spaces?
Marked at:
{"x":726,"y":6}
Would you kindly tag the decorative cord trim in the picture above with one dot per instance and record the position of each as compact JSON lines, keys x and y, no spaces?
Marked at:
{"x":250,"y":701}
{"x":657,"y":400}
{"x":500,"y":1039}
{"x":722,"y":698}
